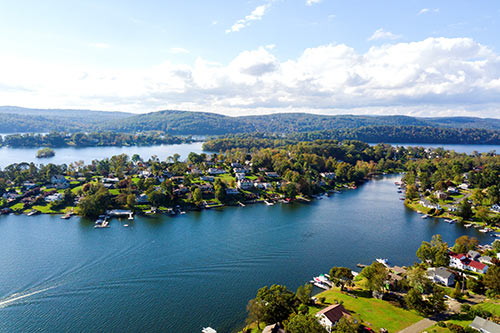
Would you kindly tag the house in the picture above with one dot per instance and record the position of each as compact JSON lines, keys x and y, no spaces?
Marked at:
{"x":330,"y":316}
{"x":441,"y":275}
{"x":463,"y":262}
{"x":142,"y":198}
{"x":485,"y":260}
{"x":272,"y":174}
{"x":245,"y":184}
{"x":484,"y":326}
{"x":53,"y":197}
{"x":29,"y":185}
{"x":473,"y":254}
{"x":207,"y":178}
{"x":110,"y":180}
{"x":216,"y":171}
{"x":495,"y":208}
{"x":240,"y":170}
{"x":441,"y":195}
{"x":194,"y":172}
{"x":328,"y":175}
{"x":274,"y":328}
{"x":263,"y":186}
{"x":452,"y":190}
{"x":236,"y":165}
{"x":463,"y":186}
{"x":240,"y":176}
{"x":232,"y":191}
{"x":59,"y":181}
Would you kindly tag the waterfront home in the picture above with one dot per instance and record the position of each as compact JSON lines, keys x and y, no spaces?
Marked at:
{"x":216,"y":171}
{"x":110,"y":180}
{"x":142,"y":198}
{"x":262,"y":186}
{"x":240,"y":176}
{"x":241,"y":170}
{"x":452,"y":190}
{"x":463,"y":262}
{"x":463,"y":186}
{"x":441,"y":275}
{"x":485,"y":260}
{"x":206,"y":188}
{"x":330,"y":316}
{"x":207,"y":178}
{"x":484,"y":326}
{"x":232,"y":191}
{"x":53,"y":197}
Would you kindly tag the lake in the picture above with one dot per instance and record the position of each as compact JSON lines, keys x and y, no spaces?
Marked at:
{"x":179,"y":274}
{"x":88,"y":154}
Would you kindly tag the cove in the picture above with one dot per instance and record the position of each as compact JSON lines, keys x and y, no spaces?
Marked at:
{"x":179,"y":274}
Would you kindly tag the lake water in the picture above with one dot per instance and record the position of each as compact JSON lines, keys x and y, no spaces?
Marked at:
{"x":88,"y":154}
{"x":456,"y":147}
{"x":179,"y":274}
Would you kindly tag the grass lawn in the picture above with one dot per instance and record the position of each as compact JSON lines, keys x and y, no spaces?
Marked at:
{"x":226,"y":178}
{"x":373,"y":312}
{"x":17,"y":207}
{"x":490,"y":306}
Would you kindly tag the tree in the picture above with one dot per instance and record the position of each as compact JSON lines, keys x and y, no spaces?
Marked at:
{"x":414,"y":300}
{"x":417,"y":278}
{"x":341,"y":276}
{"x":376,"y":274}
{"x":492,"y":279}
{"x":437,"y":300}
{"x":464,"y":209}
{"x":255,"y":309}
{"x":465,"y":243}
{"x":435,"y":252}
{"x":279,"y":302}
{"x":197,"y":196}
{"x":456,"y":293}
{"x":345,"y":326}
{"x":304,"y":293}
{"x":131,"y":201}
{"x":291,"y":190}
{"x":302,"y":323}
{"x":483,"y":214}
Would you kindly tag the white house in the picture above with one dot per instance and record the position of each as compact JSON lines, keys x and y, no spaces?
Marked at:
{"x":53,"y":197}
{"x":330,"y":316}
{"x":207,"y":178}
{"x":484,"y":326}
{"x":463,"y":262}
{"x":240,"y":176}
{"x":272,"y":174}
{"x":441,"y":275}
{"x":59,"y":181}
{"x":495,"y":208}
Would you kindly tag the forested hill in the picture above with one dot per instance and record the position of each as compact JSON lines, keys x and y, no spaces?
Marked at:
{"x":184,"y":122}
{"x":16,"y":119}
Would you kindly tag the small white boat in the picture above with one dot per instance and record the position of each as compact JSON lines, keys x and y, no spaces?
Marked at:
{"x":383,"y":261}
{"x":425,"y":216}
{"x":125,"y":225}
{"x":208,"y":330}
{"x":321,"y":285}
{"x":468,"y":225}
{"x":269,"y":203}
{"x":483,"y":230}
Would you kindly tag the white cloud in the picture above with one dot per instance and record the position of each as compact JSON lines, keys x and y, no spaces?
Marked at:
{"x":312,"y":2}
{"x":382,"y":34}
{"x":255,"y":15}
{"x":435,"y":76}
{"x":427,"y":10}
{"x":99,"y":45}
{"x":178,"y":50}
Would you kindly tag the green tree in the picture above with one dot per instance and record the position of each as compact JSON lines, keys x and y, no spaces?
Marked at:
{"x":279,"y":302}
{"x":341,"y":276}
{"x":414,"y":300}
{"x":302,"y":323}
{"x":465,"y":243}
{"x":197,"y":196}
{"x":291,"y":190}
{"x":435,"y":252}
{"x":456,"y":293}
{"x":255,"y":310}
{"x":437,"y":300}
{"x":345,"y":326}
{"x":464,"y":209}
{"x":492,"y":279}
{"x":376,"y":274}
{"x":304,"y":293}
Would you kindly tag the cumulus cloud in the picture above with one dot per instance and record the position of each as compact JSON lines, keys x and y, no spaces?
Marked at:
{"x":255,"y":15}
{"x":435,"y":76}
{"x":382,"y":34}
{"x":312,"y":2}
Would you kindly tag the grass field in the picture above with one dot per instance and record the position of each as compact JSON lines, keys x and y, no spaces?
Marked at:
{"x":373,"y":312}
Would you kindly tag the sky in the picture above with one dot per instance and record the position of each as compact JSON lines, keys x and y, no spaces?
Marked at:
{"x":412,"y":57}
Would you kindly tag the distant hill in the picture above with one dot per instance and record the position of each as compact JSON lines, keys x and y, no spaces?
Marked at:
{"x":17,"y":119}
{"x":184,"y":122}
{"x":475,"y":130}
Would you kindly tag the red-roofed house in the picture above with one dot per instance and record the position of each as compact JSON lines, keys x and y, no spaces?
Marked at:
{"x":330,"y":316}
{"x":463,"y":262}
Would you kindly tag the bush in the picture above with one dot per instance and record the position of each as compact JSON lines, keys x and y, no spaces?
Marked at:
{"x":441,"y":324}
{"x":455,"y":328}
{"x":322,"y":299}
{"x":465,"y":308}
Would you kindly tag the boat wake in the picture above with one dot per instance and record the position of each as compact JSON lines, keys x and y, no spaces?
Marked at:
{"x":19,"y":296}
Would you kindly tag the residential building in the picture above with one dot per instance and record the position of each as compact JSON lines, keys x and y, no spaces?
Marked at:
{"x":463,"y":262}
{"x":216,"y":171}
{"x":485,"y":326}
{"x":441,"y":275}
{"x":240,"y":176}
{"x":245,"y":184}
{"x":330,"y":316}
{"x":441,"y":195}
{"x":272,"y":174}
{"x":328,"y":175}
{"x":232,"y":191}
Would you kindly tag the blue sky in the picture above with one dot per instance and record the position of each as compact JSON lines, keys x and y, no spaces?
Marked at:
{"x":257,"y":56}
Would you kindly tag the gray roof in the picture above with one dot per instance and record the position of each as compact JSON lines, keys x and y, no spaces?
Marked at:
{"x":473,"y":254}
{"x":440,"y":271}
{"x":485,"y":326}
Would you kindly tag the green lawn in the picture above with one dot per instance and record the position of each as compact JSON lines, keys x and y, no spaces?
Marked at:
{"x":490,"y":306}
{"x":17,"y":207}
{"x":373,"y":312}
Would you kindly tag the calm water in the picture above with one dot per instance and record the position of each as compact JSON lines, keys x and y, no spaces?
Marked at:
{"x":68,"y":155}
{"x":178,"y":274}
{"x":88,"y":154}
{"x":458,"y":148}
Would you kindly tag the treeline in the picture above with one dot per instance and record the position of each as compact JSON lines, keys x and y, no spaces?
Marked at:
{"x":373,"y":134}
{"x":88,"y":139}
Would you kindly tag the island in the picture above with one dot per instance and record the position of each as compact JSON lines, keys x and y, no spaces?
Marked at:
{"x":45,"y":152}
